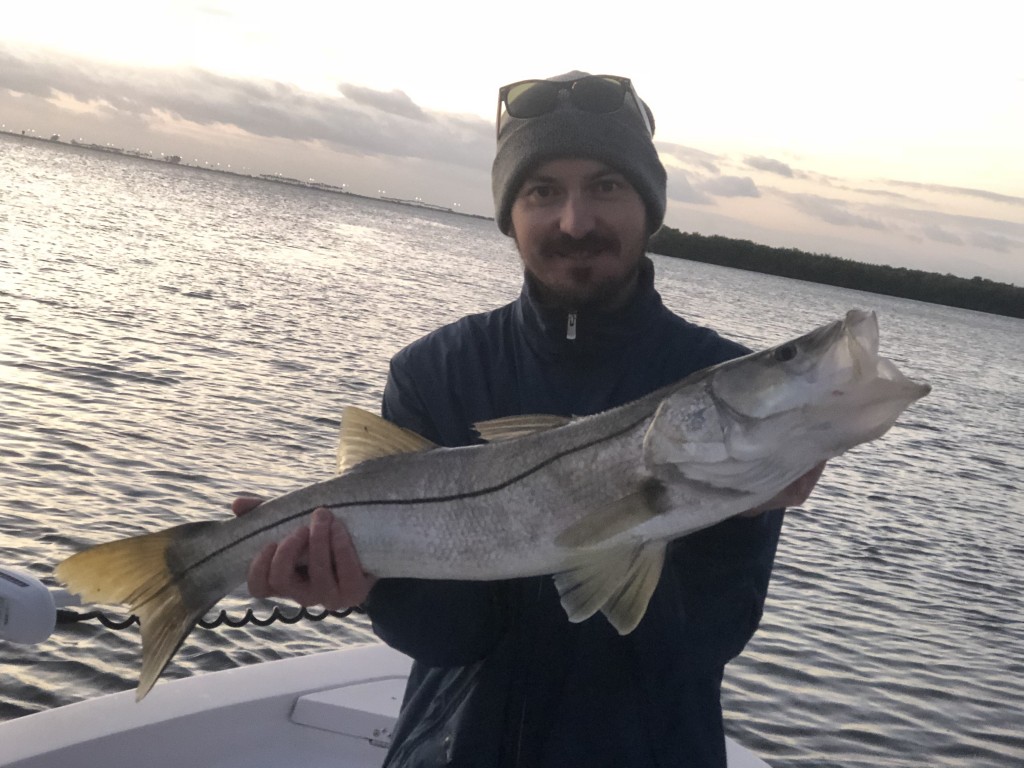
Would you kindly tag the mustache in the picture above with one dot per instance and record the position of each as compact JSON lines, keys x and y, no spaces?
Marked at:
{"x":592,"y":242}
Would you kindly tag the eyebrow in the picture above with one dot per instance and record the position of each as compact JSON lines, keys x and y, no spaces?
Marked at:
{"x":596,"y":176}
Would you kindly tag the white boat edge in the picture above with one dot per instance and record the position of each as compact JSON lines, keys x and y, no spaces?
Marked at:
{"x":333,"y":708}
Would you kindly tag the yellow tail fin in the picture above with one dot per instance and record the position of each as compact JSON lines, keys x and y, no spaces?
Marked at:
{"x":134,"y":572}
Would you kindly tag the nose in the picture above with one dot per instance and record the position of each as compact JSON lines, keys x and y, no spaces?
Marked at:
{"x":577,"y":216}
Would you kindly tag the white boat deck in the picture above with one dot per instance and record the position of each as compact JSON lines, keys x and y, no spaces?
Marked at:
{"x":327,"y":709}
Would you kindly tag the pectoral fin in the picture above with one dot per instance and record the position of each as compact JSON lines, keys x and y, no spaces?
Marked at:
{"x":618,"y":582}
{"x":511,"y":427}
{"x":365,"y":436}
{"x":614,"y":518}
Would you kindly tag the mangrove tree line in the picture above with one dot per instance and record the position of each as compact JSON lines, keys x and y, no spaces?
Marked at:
{"x":976,"y":293}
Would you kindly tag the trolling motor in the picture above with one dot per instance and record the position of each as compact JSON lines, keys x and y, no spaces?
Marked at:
{"x":28,"y":608}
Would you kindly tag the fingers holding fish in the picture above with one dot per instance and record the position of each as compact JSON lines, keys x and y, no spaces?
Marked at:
{"x":314,"y":565}
{"x":336,"y":577}
{"x":258,"y":578}
{"x":243,"y":505}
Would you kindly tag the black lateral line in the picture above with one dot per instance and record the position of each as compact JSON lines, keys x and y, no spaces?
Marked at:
{"x":381,"y":502}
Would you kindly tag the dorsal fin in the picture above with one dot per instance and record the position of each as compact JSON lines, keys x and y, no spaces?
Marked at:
{"x":511,"y":427}
{"x":365,"y":436}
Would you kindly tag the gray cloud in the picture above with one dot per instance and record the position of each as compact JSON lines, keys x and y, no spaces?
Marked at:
{"x":832,"y":211}
{"x":861,"y":190}
{"x":696,"y":158}
{"x":681,"y":190}
{"x":395,"y":102}
{"x":993,"y":242}
{"x":730,"y":186}
{"x":998,"y":235}
{"x":770,"y":165}
{"x":362,"y":122}
{"x":992,"y":234}
{"x":702,"y":176}
{"x":941,"y":235}
{"x":980,"y":193}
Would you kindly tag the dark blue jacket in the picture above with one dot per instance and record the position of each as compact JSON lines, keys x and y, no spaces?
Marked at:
{"x":502,"y":678}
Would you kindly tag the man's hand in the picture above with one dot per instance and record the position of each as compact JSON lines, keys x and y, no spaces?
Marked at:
{"x":793,"y":495}
{"x":314,"y":565}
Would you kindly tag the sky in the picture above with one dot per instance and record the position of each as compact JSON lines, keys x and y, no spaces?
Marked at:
{"x":888,"y":132}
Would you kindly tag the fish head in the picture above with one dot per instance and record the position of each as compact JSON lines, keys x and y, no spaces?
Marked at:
{"x":828,"y":390}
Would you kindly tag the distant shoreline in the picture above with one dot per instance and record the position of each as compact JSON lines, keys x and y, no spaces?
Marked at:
{"x":977,"y":293}
{"x":275,"y":178}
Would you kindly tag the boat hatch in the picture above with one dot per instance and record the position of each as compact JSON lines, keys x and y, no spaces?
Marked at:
{"x":364,"y":710}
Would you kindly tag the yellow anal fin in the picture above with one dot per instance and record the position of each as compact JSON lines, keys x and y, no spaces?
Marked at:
{"x":618,"y":582}
{"x":134,"y":572}
{"x":512,"y":427}
{"x":166,"y":621}
{"x":613,"y":518}
{"x":366,"y":436}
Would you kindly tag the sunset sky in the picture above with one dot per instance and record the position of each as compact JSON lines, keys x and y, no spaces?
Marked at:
{"x":888,"y":132}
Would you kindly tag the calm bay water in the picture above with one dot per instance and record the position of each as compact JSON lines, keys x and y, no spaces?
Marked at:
{"x":170,"y":338}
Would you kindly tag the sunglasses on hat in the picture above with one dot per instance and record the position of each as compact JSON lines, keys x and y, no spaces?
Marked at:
{"x":597,"y":94}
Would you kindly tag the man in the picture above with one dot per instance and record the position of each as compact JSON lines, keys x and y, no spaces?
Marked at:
{"x":501,"y":677}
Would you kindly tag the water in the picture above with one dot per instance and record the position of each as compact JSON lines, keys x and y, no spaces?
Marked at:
{"x":170,"y":338}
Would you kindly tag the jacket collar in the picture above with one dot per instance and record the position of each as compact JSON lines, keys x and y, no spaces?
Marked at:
{"x":549,"y":331}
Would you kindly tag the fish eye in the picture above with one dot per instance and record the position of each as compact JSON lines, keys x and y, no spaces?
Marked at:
{"x":785,"y":353}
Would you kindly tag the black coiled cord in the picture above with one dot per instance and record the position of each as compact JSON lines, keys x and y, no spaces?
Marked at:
{"x":65,"y":616}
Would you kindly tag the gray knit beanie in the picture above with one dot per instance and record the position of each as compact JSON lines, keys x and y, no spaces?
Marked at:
{"x":618,"y":138}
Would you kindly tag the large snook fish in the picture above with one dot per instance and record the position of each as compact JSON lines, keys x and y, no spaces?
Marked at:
{"x":592,"y":500}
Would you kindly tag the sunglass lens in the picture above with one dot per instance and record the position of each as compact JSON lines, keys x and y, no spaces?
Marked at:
{"x":532,"y":99}
{"x":598,"y":94}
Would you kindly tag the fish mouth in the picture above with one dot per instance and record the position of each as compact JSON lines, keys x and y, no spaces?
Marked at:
{"x":860,"y":329}
{"x":862,"y":326}
{"x":862,"y":332}
{"x":845,"y":351}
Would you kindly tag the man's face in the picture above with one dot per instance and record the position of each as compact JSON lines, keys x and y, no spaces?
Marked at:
{"x":581,"y":230}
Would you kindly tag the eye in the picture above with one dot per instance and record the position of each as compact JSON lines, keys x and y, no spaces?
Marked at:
{"x":785,"y":353}
{"x":609,"y":185}
{"x":538,"y":191}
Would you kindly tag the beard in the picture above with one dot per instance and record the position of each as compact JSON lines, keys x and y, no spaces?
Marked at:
{"x":585,"y":283}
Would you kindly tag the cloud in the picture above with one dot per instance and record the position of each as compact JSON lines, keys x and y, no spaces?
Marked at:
{"x":956,"y":229}
{"x":359,"y":122}
{"x":396,"y":102}
{"x":832,"y":211}
{"x":770,"y":165}
{"x":681,"y":190}
{"x":995,"y":197}
{"x":688,"y":156}
{"x":698,"y":174}
{"x":993,"y":242}
{"x":941,"y":235}
{"x":730,"y":186}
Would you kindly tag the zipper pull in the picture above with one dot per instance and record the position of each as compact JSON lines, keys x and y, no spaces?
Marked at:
{"x":570,"y":328}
